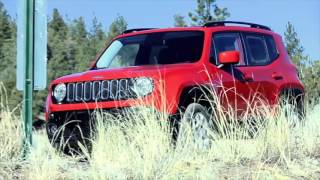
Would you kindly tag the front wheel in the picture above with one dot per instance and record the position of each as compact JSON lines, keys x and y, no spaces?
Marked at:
{"x":197,"y":122}
{"x":70,"y":137}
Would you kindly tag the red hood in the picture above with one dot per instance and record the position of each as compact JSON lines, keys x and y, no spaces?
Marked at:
{"x":119,"y":73}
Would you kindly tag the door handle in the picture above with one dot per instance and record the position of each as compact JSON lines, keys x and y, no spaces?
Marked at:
{"x":247,"y":77}
{"x":276,"y":76}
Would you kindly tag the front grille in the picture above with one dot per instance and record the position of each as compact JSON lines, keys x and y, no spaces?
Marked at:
{"x":99,"y":91}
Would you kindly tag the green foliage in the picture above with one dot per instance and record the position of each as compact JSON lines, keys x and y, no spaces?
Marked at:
{"x":8,"y":56}
{"x":80,"y":43}
{"x":309,"y":70}
{"x":60,"y":47}
{"x":310,"y":78}
{"x":6,"y":34}
{"x":179,"y":21}
{"x":97,"y":37}
{"x":71,"y":48}
{"x":293,"y":45}
{"x":207,"y":10}
{"x":116,"y":28}
{"x":5,"y":25}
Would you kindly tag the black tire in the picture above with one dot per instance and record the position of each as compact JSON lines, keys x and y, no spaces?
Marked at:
{"x":198,"y":119}
{"x":292,"y":104}
{"x":254,"y":127}
{"x":67,"y":138}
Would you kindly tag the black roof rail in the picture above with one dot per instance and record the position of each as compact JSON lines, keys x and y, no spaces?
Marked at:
{"x":222,"y":23}
{"x":136,"y":30}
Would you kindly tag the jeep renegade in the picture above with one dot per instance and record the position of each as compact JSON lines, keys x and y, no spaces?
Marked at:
{"x":167,"y":65}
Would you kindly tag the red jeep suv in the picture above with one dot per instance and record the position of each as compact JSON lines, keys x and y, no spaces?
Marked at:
{"x":167,"y":65}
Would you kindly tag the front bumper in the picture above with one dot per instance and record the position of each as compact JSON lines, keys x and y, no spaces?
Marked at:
{"x":111,"y":106}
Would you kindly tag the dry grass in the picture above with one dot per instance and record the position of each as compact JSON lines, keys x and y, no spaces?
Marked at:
{"x":141,"y":148}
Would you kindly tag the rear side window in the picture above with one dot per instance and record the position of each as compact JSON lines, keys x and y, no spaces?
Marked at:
{"x":261,"y":49}
{"x":272,"y":48}
{"x":226,"y":42}
{"x":257,"y":50}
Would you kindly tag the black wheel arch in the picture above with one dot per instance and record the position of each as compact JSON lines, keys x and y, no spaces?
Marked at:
{"x":188,"y":95}
{"x":195,"y":93}
{"x":295,"y":96}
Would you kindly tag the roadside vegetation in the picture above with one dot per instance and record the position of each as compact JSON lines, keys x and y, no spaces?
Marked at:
{"x":73,"y":44}
{"x":142,"y":148}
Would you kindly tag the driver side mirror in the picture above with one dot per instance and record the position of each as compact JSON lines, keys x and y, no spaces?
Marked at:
{"x":229,"y":57}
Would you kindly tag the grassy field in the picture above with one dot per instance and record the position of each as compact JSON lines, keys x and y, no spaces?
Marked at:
{"x":142,"y":149}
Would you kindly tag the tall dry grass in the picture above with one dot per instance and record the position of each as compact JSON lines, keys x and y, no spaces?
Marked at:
{"x":141,"y":148}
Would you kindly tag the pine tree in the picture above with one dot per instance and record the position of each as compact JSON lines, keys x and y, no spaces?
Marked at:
{"x":5,"y":25}
{"x":8,"y":57}
{"x":97,"y":38}
{"x":309,"y":70}
{"x":57,"y":25}
{"x":5,"y":28}
{"x":116,"y":28}
{"x":58,"y":47}
{"x":80,"y":38}
{"x":179,"y":21}
{"x":293,"y":45}
{"x":207,"y":10}
{"x":311,"y":81}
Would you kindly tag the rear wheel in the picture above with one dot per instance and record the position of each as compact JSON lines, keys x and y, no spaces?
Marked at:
{"x":292,"y":105}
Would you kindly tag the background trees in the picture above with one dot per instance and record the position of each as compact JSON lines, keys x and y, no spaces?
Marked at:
{"x":73,"y":44}
{"x":309,"y":70}
{"x":207,"y":10}
{"x":294,"y":48}
{"x":8,"y":56}
{"x":71,"y":48}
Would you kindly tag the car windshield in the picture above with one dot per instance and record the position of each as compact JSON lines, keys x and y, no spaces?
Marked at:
{"x":153,"y":49}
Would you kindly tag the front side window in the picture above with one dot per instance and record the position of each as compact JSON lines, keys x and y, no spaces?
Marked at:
{"x":257,"y":50}
{"x":153,"y":49}
{"x":226,"y":42}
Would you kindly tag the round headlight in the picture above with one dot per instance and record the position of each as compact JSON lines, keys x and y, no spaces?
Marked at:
{"x":60,"y":92}
{"x":142,"y":86}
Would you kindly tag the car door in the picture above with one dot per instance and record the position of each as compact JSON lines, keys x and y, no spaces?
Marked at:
{"x":261,"y":52}
{"x":229,"y":80}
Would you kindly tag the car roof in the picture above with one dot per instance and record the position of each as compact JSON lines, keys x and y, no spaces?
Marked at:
{"x":156,"y":30}
{"x":133,"y":32}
